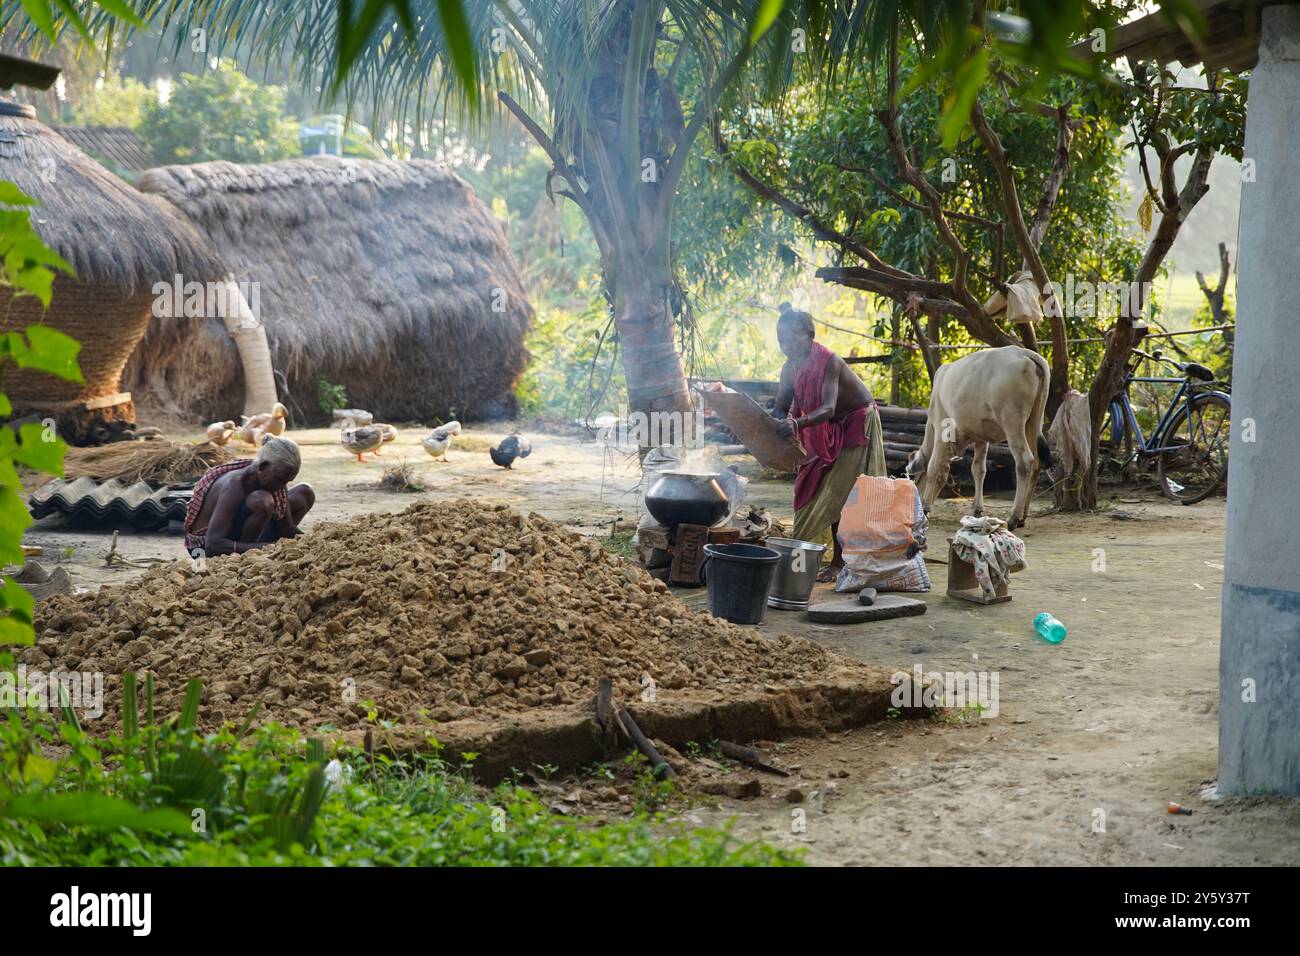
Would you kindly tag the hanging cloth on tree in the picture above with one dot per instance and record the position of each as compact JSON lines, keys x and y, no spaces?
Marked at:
{"x":1019,"y":298}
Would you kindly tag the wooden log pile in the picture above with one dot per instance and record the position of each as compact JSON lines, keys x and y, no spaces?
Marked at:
{"x":904,"y":431}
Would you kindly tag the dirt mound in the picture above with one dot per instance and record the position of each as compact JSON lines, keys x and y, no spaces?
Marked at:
{"x":443,"y":611}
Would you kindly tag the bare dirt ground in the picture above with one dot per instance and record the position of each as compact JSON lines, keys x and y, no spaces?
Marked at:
{"x":1103,"y":730}
{"x":1092,"y":738}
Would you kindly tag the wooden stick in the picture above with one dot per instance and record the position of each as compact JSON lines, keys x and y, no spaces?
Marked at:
{"x":605,"y":720}
{"x":658,"y":764}
{"x":750,"y":755}
{"x":604,"y":693}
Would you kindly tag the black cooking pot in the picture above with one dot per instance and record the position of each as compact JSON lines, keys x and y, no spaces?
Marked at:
{"x":681,"y":498}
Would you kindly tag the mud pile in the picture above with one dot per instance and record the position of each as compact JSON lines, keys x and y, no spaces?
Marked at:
{"x":446,"y":610}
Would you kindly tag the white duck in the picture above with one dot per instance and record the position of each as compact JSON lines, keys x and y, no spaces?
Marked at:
{"x":220,"y":433}
{"x":267,"y":423}
{"x":438,"y":441}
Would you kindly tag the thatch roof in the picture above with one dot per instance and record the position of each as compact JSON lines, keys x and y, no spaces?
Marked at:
{"x":109,"y":232}
{"x":389,"y":278}
{"x":118,"y":145}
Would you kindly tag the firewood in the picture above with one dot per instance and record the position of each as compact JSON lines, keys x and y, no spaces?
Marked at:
{"x":751,"y":756}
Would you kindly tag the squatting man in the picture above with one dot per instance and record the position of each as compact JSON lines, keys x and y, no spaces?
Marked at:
{"x":244,"y":505}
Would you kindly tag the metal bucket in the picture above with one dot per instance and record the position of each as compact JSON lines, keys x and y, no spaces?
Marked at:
{"x":792,"y":590}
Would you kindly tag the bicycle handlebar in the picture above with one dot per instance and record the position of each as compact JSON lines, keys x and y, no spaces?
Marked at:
{"x":1158,"y":358}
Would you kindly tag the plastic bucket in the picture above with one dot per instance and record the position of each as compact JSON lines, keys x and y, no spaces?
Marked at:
{"x":796,"y":573}
{"x":739,"y":578}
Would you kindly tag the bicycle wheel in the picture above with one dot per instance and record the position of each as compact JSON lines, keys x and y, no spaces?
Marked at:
{"x":1112,"y":443}
{"x":1195,"y":470}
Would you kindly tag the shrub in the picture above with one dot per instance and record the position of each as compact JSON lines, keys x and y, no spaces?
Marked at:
{"x":220,"y":114}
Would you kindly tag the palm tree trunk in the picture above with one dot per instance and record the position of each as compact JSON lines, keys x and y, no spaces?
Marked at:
{"x":644,"y":319}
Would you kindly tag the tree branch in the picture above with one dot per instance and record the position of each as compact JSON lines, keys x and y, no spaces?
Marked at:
{"x":981,"y":324}
{"x":1028,"y":250}
{"x":935,"y":296}
{"x":561,"y":166}
{"x":642,"y":34}
{"x":899,"y":197}
{"x":1215,"y":296}
{"x":1060,"y":170}
{"x":1030,"y":106}
{"x":822,"y":230}
{"x":705,"y":112}
{"x":1110,"y":373}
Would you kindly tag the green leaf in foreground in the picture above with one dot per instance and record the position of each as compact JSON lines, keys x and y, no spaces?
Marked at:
{"x":46,"y":350}
{"x":36,"y":452}
{"x":11,"y":195}
{"x":96,"y":811}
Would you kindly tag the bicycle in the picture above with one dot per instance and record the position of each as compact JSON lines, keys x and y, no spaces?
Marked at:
{"x":1189,"y":445}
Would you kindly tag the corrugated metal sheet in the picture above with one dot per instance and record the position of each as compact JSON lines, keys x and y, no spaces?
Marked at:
{"x":140,"y":505}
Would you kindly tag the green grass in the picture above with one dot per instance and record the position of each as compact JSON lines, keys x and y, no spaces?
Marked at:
{"x":471,"y":443}
{"x":161,"y":795}
{"x":1180,"y":298}
{"x":620,"y":543}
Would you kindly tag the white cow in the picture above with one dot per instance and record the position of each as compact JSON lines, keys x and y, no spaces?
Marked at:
{"x":988,"y":396}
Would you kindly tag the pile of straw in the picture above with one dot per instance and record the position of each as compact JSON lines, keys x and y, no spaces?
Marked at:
{"x":156,"y":462}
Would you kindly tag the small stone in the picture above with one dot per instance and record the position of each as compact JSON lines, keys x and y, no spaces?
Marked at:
{"x":736,"y":789}
{"x":513,"y":668}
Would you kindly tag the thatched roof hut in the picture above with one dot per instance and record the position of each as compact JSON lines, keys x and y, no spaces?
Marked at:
{"x":117,"y":146}
{"x":120,"y":242}
{"x":389,"y":278}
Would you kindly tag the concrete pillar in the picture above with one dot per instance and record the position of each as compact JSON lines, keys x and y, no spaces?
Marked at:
{"x":1259,"y":741}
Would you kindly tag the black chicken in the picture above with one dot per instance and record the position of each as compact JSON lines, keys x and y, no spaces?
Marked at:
{"x":511,"y":447}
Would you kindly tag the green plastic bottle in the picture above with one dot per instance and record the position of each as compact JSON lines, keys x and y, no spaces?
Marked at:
{"x":1049,"y":628}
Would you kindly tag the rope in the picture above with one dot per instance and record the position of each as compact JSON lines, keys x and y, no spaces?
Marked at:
{"x":979,"y":346}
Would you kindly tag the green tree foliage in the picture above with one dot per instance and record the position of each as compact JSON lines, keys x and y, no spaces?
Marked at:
{"x":573,"y":372}
{"x":548,"y":235}
{"x":220,"y":114}
{"x":113,"y":101}
{"x":831,"y":155}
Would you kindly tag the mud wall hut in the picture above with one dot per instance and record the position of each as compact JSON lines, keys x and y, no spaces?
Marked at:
{"x":120,"y":243}
{"x":388,"y":278}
